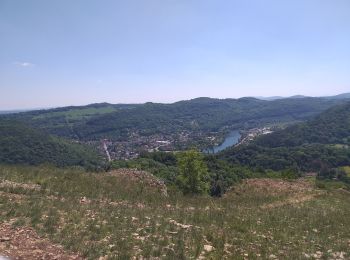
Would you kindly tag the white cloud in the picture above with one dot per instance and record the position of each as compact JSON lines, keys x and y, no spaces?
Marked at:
{"x":24,"y":64}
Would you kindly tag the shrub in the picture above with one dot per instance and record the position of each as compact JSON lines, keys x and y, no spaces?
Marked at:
{"x":193,"y":173}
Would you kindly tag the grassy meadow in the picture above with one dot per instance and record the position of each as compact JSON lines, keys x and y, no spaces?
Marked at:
{"x":103,"y":215}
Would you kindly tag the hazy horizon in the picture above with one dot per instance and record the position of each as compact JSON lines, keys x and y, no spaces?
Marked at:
{"x":116,"y":103}
{"x":60,"y":53}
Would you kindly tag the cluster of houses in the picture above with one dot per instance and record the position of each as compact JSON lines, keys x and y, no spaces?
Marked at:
{"x":137,"y":143}
{"x":251,"y":134}
{"x":131,"y":148}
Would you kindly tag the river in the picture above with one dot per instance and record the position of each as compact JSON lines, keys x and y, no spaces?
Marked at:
{"x":231,"y":139}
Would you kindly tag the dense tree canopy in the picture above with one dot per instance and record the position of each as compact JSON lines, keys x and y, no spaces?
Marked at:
{"x":20,"y":144}
{"x":302,"y":147}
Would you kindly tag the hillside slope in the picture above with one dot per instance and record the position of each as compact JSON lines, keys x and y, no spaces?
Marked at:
{"x":104,"y":216}
{"x":330,"y":127}
{"x":306,"y":146}
{"x":20,"y":144}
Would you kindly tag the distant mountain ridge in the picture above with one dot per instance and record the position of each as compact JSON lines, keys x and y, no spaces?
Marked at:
{"x":3,"y":112}
{"x":340,"y":96}
{"x":117,"y":122}
{"x":128,"y":105}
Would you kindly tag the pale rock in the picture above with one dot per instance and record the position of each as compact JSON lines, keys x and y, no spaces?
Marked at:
{"x":208,"y":248}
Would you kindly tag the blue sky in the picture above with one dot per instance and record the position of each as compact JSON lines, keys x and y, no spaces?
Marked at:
{"x":65,"y":52}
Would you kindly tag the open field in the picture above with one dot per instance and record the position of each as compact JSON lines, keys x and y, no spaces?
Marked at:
{"x":71,"y":215}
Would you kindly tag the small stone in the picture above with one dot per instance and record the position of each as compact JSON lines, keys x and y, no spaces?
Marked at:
{"x":342,"y":255}
{"x":208,"y":248}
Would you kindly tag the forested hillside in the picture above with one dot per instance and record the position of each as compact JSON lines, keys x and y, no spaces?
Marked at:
{"x":63,"y":121}
{"x":331,"y":127}
{"x":201,"y":114}
{"x":20,"y":144}
{"x":321,"y":142}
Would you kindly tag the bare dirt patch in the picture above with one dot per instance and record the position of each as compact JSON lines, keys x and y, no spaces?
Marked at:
{"x":25,"y":243}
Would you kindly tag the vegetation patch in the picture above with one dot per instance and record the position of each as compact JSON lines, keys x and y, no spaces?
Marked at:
{"x":107,"y":215}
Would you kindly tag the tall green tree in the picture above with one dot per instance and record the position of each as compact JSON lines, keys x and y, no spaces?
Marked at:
{"x":193,"y":172}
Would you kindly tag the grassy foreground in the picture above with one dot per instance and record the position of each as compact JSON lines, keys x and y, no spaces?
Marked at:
{"x":105,"y":215}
